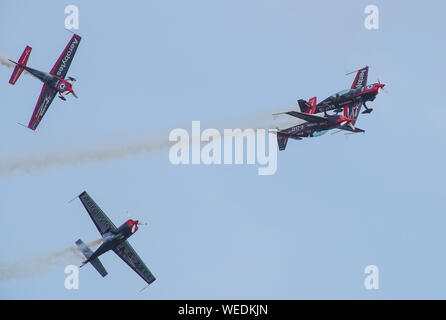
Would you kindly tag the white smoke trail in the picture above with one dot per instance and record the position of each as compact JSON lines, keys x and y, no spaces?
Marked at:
{"x":79,"y":156}
{"x":112,"y":150}
{"x":38,"y":265}
{"x":4,"y":61}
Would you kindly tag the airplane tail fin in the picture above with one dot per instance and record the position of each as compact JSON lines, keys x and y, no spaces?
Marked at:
{"x":95,"y":262}
{"x":313,"y":101}
{"x":22,"y":62}
{"x":282,"y":140}
{"x":306,"y":107}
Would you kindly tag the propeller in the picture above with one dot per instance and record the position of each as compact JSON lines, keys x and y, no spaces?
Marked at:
{"x":382,"y":89}
{"x":139,"y":223}
{"x":74,"y":95}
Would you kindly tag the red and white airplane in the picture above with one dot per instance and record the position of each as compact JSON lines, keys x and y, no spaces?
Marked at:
{"x":53,"y":82}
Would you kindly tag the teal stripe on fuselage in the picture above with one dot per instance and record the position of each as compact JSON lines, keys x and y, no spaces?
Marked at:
{"x":319,"y":133}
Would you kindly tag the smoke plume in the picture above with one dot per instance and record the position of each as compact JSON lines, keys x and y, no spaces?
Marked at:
{"x":38,"y":265}
{"x":4,"y":61}
{"x":137,"y":145}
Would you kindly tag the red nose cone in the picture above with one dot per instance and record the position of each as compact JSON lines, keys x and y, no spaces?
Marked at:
{"x":133,"y":225}
{"x":131,"y":222}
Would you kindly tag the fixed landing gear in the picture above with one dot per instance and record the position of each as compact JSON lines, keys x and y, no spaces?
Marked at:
{"x":338,"y":110}
{"x":62,"y":97}
{"x":367,"y":110}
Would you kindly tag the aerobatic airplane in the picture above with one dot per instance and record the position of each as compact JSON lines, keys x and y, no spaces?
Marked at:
{"x":53,"y":82}
{"x":349,"y":100}
{"x":353,"y":98}
{"x":113,"y":239}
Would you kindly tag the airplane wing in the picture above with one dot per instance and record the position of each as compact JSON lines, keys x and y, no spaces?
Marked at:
{"x":352,"y":110}
{"x":125,"y":251}
{"x":101,"y":221}
{"x":306,"y":116}
{"x":360,"y":79}
{"x":62,"y":65}
{"x":43,"y":103}
{"x":348,"y":128}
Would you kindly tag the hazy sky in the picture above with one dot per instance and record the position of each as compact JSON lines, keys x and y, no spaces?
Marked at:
{"x":336,"y":203}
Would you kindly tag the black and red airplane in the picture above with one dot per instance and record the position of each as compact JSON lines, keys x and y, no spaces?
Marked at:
{"x":53,"y":82}
{"x":359,"y":93}
{"x":113,"y":239}
{"x":349,"y":100}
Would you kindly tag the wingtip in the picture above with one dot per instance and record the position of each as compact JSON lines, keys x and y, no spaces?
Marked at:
{"x":74,"y":33}
{"x":77,"y":196}
{"x":72,"y":200}
{"x":144,"y":288}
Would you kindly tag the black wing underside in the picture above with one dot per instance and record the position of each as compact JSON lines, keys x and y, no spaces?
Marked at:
{"x":100,"y":219}
{"x":62,"y":65}
{"x":125,"y":251}
{"x":306,"y":116}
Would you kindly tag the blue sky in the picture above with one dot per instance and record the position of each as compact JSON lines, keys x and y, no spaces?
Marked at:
{"x":336,"y":204}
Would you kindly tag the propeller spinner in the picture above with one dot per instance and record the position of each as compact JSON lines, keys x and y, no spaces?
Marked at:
{"x":139,"y":223}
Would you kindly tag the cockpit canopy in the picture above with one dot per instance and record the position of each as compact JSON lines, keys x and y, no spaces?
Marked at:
{"x":347,"y":92}
{"x":340,"y":93}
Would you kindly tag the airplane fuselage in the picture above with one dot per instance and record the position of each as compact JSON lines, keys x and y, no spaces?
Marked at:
{"x":312,"y":129}
{"x":346,"y":97}
{"x":60,"y":85}
{"x":112,"y":239}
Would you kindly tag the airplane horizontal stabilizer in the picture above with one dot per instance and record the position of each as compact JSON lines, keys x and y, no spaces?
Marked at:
{"x":96,"y":263}
{"x":83,"y":247}
{"x":98,"y":266}
{"x":18,"y":69}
